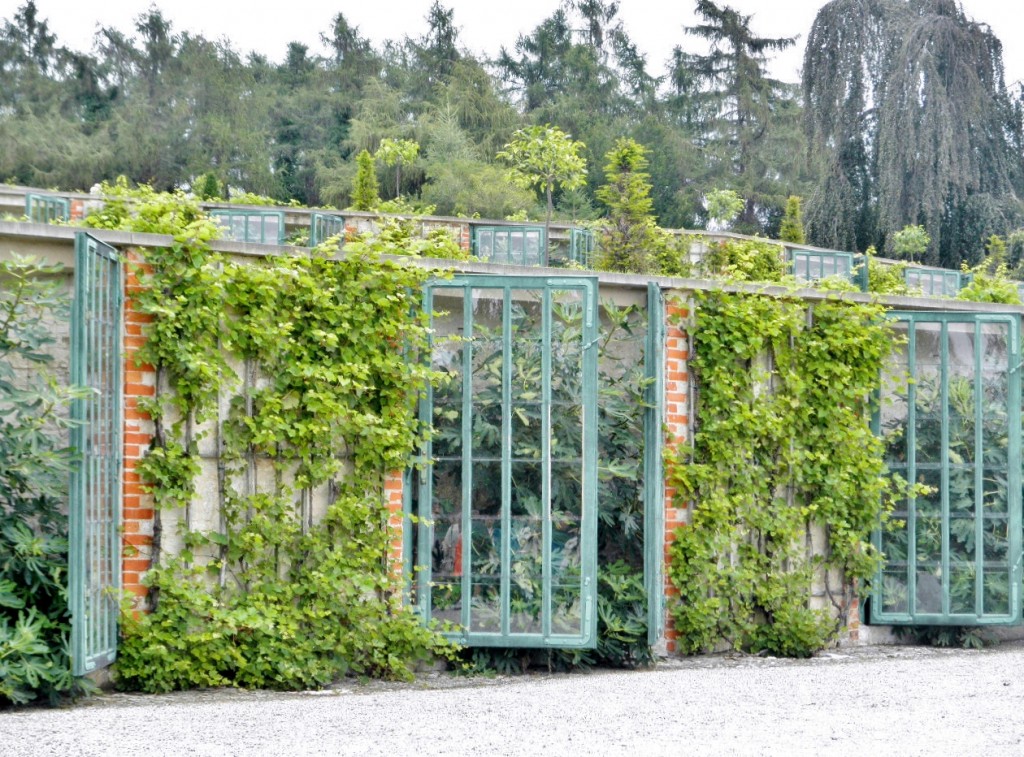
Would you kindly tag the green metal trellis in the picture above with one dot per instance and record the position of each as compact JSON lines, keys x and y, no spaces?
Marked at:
{"x":323,"y":226}
{"x":654,"y":479}
{"x":95,"y":502}
{"x":506,"y":548}
{"x":951,"y":419}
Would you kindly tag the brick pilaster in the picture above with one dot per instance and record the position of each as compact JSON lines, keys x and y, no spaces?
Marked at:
{"x":394,"y":490}
{"x":677,"y":392}
{"x":138,"y":514}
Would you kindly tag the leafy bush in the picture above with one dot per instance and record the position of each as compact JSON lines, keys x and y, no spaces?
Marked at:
{"x":744,"y":260}
{"x":35,"y":625}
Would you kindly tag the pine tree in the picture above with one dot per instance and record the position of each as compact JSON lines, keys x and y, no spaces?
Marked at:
{"x":631,"y":237}
{"x":364,"y":187}
{"x":792,"y":228}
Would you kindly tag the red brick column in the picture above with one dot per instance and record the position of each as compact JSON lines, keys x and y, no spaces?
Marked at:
{"x":137,"y":515}
{"x":394,"y":490}
{"x":465,"y":237}
{"x":677,"y":392}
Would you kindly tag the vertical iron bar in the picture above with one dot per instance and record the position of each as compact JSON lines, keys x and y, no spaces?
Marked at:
{"x":979,"y":466}
{"x":944,"y":462}
{"x":911,"y":566}
{"x":506,"y":459}
{"x":467,"y":455}
{"x":545,"y":455}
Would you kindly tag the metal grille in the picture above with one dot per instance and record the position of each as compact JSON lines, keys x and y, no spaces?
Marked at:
{"x":95,"y":506}
{"x":260,"y":226}
{"x":47,"y":208}
{"x":512,"y":245}
{"x":950,"y":416}
{"x":323,"y":226}
{"x":506,"y":545}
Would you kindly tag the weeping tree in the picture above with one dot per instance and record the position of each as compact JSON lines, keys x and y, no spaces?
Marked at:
{"x":909,"y":117}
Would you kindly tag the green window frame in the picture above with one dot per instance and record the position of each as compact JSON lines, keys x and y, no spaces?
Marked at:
{"x":654,"y":476}
{"x":934,"y":282}
{"x":509,"y":245}
{"x":582,"y":246}
{"x":951,"y":419}
{"x":259,"y":226}
{"x":813,"y":266}
{"x":94,"y":572}
{"x":323,"y":226}
{"x":506,"y":527}
{"x":47,"y":208}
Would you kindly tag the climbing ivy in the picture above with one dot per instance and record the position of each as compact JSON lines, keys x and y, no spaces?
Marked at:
{"x":298,"y":375}
{"x":783,"y":457}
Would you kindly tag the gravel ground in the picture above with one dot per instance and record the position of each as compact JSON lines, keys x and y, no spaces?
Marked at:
{"x":900,"y":700}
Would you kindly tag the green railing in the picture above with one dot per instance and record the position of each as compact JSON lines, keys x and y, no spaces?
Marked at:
{"x":95,"y":493}
{"x":260,"y":226}
{"x":813,"y":266}
{"x":511,"y":245}
{"x":950,"y":416}
{"x":47,"y":208}
{"x":506,"y":547}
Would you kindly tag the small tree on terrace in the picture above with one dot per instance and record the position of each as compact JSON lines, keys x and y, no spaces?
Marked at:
{"x":540,"y":156}
{"x":632,"y":235}
{"x":364,"y":187}
{"x":792,"y":229}
{"x":397,"y":152}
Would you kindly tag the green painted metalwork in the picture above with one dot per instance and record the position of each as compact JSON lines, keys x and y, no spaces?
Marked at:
{"x":935,"y":282}
{"x":582,"y":246}
{"x":814,"y":266}
{"x":654,"y":479}
{"x":95,"y":501}
{"x":323,"y":226}
{"x":506,"y":549}
{"x":260,"y":226}
{"x":951,"y":418}
{"x":511,"y":245}
{"x":47,"y":208}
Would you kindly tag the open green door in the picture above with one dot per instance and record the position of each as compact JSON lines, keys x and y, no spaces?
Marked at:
{"x":505,"y":552}
{"x":95,"y":502}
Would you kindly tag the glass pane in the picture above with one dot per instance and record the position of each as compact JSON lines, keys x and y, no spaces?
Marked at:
{"x":566,"y":431}
{"x":237,"y":228}
{"x":527,"y":430}
{"x":895,"y":597}
{"x":446,"y":542}
{"x":928,"y":389}
{"x":485,"y":559}
{"x":566,"y":512}
{"x":962,"y":588}
{"x":271,"y":229}
{"x":527,"y":539}
{"x":996,"y":592}
{"x":567,"y":347}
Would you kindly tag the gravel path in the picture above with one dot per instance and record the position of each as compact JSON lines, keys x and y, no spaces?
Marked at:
{"x":905,"y":701}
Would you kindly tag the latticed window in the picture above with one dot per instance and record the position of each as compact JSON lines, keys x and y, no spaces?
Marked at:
{"x":814,"y":266}
{"x":324,"y":226}
{"x":935,"y":282}
{"x":47,"y":208}
{"x":512,"y":245}
{"x":950,"y":417}
{"x":505,"y":550}
{"x":261,"y":226}
{"x":582,"y":247}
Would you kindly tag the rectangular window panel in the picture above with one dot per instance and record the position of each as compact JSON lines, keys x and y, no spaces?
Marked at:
{"x":256,"y":226}
{"x":525,"y":527}
{"x":950,"y":415}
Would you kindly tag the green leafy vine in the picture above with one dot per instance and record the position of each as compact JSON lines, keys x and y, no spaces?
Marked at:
{"x":786,"y":476}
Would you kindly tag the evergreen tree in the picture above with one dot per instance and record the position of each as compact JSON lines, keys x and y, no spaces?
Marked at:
{"x":364,"y":188}
{"x":792,"y":229}
{"x":631,"y":238}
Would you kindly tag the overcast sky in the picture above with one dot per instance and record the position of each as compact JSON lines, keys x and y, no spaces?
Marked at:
{"x":655,"y":25}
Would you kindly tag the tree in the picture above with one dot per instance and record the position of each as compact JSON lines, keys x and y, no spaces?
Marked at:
{"x":631,"y":237}
{"x":734,"y":105}
{"x":908,"y":114}
{"x":909,"y":242}
{"x":540,"y":157}
{"x":723,"y":205}
{"x":792,"y":229}
{"x":395,"y":152}
{"x":364,"y":188}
